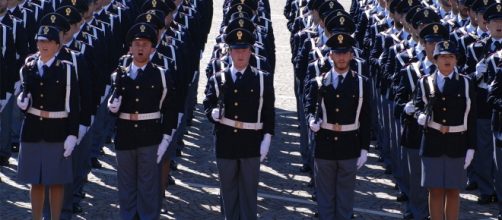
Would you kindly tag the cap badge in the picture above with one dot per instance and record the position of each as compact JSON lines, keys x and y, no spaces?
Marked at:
{"x":241,"y":23}
{"x":142,"y":28}
{"x":342,"y":20}
{"x":46,"y":29}
{"x":340,"y":39}
{"x":239,"y":35}
{"x":148,"y":18}
{"x":446,"y":45}
{"x":435,"y":28}
{"x":68,"y":11}
{"x":53,"y":19}
{"x":154,"y":3}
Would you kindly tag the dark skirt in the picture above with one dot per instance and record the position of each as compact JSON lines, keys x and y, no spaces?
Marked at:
{"x":44,"y":163}
{"x":443,"y":172}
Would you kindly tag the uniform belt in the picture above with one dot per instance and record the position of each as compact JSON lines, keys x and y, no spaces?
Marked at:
{"x":46,"y":114}
{"x":139,"y":117}
{"x":446,"y":129}
{"x":339,"y":128}
{"x":241,"y":125}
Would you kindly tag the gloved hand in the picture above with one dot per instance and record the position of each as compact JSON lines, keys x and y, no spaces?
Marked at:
{"x":215,"y":114}
{"x":164,"y":144}
{"x":82,"y":130}
{"x":114,"y":106}
{"x":468,"y":158}
{"x":265,"y":146}
{"x":69,"y":145}
{"x":421,"y":119}
{"x":17,"y":87}
{"x":480,"y":70}
{"x":362,"y":159}
{"x":409,"y":108}
{"x":23,"y":103}
{"x":315,"y":127}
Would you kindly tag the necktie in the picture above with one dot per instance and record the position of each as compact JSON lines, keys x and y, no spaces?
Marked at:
{"x":238,"y":77}
{"x":497,"y":45}
{"x":45,"y":69}
{"x":484,"y":35}
{"x":446,"y":86}
{"x":339,"y":82}
{"x":431,"y":69}
{"x":140,"y":73}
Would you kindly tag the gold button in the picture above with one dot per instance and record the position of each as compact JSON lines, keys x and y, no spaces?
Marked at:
{"x":338,"y":96}
{"x":123,"y":88}
{"x":235,"y":130}
{"x":153,"y":86}
{"x":136,"y":112}
{"x":137,"y":100}
{"x":337,"y":110}
{"x":444,"y":120}
{"x":444,"y":98}
{"x":236,"y":117}
{"x":235,"y":90}
{"x":41,"y":119}
{"x":236,"y":104}
{"x":444,"y":109}
{"x":336,"y":138}
{"x":135,"y":125}
{"x":41,"y":84}
{"x":41,"y":107}
{"x":252,"y":90}
{"x":137,"y":87}
{"x":41,"y":95}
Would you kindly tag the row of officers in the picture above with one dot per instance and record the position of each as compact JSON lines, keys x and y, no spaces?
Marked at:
{"x":75,"y":72}
{"x":421,"y":78}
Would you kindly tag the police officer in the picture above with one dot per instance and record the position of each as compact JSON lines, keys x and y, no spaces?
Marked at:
{"x":338,"y":111}
{"x":446,"y":109}
{"x":141,"y":98}
{"x":50,"y":101}
{"x":240,"y":101}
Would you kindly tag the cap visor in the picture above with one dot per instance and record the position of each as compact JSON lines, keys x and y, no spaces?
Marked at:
{"x":433,"y":39}
{"x":41,"y":38}
{"x":240,"y":46}
{"x":341,"y":49}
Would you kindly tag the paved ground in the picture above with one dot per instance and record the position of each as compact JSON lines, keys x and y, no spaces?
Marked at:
{"x":283,"y":189}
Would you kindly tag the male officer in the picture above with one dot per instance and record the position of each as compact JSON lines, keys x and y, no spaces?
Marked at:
{"x":240,"y":101}
{"x":141,"y":98}
{"x":338,"y":111}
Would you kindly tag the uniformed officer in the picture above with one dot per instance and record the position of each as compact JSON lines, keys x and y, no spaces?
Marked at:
{"x":141,"y":98}
{"x":338,"y":111}
{"x":50,"y":101}
{"x":446,"y":110}
{"x":240,"y":101}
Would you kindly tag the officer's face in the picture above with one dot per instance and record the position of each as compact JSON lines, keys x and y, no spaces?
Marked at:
{"x":446,"y":63}
{"x":429,"y":49}
{"x":3,"y":6}
{"x":495,"y":28}
{"x":472,"y":16}
{"x":463,"y":10}
{"x":141,"y":50}
{"x":481,"y":21}
{"x":240,"y":57}
{"x":47,"y":48}
{"x":454,"y":6}
{"x":341,"y":60}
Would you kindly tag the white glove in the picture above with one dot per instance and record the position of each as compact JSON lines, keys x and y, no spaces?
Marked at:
{"x":421,"y":119}
{"x":82,"y":130}
{"x":215,"y":114}
{"x":468,"y":158}
{"x":409,"y":108}
{"x":315,"y":127}
{"x":69,"y":145}
{"x":164,"y":144}
{"x":23,"y":104}
{"x":265,"y":146}
{"x":115,"y":105}
{"x":362,"y":159}
{"x":480,"y":70}
{"x":17,"y":87}
{"x":92,"y":120}
{"x":180,"y":116}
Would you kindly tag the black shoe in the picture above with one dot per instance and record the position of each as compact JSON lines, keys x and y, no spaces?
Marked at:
{"x":77,"y":209}
{"x":80,"y":194}
{"x":316,"y":215}
{"x":4,"y":161}
{"x":499,"y":217}
{"x":95,"y":163}
{"x":173,"y":165}
{"x":102,"y":152}
{"x":305,"y":169}
{"x":170,"y":181}
{"x":396,"y":187}
{"x":485,"y":199}
{"x":109,"y":141}
{"x":471,"y":186}
{"x":407,"y":215}
{"x":311,"y":183}
{"x":163,"y":210}
{"x":14,"y":147}
{"x":313,"y":198}
{"x":402,"y":197}
{"x":380,"y":159}
{"x":495,"y":199}
{"x":388,"y":170}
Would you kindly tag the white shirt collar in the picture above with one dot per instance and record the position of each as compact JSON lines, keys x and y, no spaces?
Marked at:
{"x":470,"y":28}
{"x":427,"y":62}
{"x":442,"y":77}
{"x":480,"y":32}
{"x":40,"y":64}
{"x":135,"y":68}
{"x":336,"y":73}
{"x":233,"y":72}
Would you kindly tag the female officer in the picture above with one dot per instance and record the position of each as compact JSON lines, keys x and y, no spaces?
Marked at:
{"x":448,"y":118}
{"x":50,"y":101}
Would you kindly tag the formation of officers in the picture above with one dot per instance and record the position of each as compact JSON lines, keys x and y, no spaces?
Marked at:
{"x":74,"y":73}
{"x":420,"y":77}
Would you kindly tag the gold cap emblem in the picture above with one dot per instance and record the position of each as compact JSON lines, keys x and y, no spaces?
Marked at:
{"x":499,"y":8}
{"x":74,"y":2}
{"x":340,"y":39}
{"x":67,"y":11}
{"x":331,"y":5}
{"x":446,"y":45}
{"x":53,"y":19}
{"x":154,"y":3}
{"x":242,"y":1}
{"x":435,"y":28}
{"x":485,"y":2}
{"x":426,"y":13}
{"x":342,"y":20}
{"x":239,"y":35}
{"x":148,"y":18}
{"x":410,"y":2}
{"x":46,"y":29}
{"x":241,"y":23}
{"x":142,"y":28}
{"x":239,"y":8}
